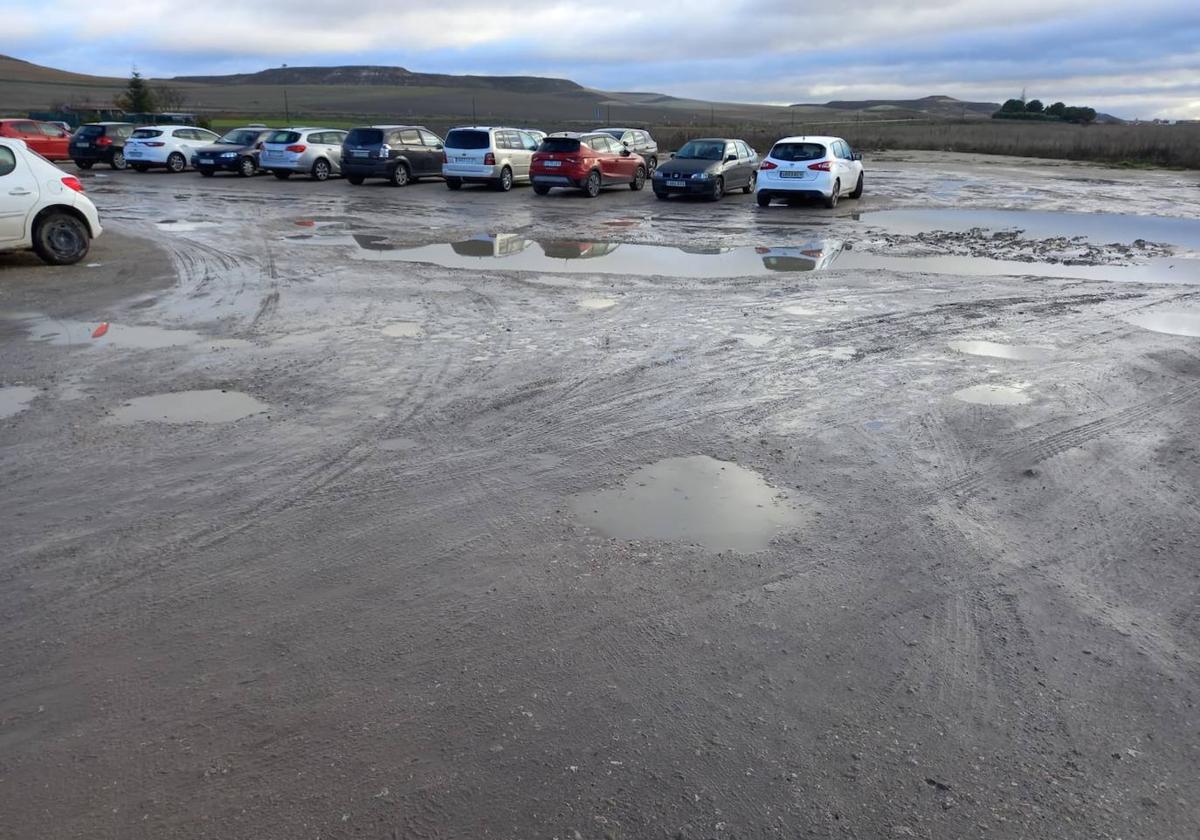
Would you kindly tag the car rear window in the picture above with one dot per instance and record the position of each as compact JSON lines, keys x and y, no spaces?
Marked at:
{"x":240,"y":137}
{"x":143,"y":133}
{"x":90,"y":131}
{"x":560,"y":144}
{"x":798,"y":151}
{"x":283,"y":137}
{"x":364,"y":137}
{"x":461,"y":138}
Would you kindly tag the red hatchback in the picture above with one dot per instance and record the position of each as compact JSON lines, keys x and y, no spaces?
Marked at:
{"x":584,"y":162}
{"x":47,"y":139}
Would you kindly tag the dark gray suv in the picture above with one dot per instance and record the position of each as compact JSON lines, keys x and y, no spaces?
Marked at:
{"x":638,"y":141}
{"x":399,"y":154}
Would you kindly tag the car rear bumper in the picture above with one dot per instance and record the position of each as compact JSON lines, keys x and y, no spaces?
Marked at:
{"x":376,"y":168}
{"x":471,"y":172}
{"x":287,"y":163}
{"x":150,"y":157}
{"x":820,"y":183}
{"x":569,"y":181}
{"x":91,"y":155}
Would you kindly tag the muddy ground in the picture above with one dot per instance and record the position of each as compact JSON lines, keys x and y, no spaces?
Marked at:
{"x":860,"y":551}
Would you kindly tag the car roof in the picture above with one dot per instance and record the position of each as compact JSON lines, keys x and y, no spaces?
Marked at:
{"x":811,"y":138}
{"x":391,"y":126}
{"x":617,"y":128}
{"x":107,"y":122}
{"x":173,"y":127}
{"x":574,"y":135}
{"x":717,"y":140}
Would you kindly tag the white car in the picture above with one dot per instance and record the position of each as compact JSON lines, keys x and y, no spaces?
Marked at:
{"x":481,"y":154}
{"x":42,"y":207}
{"x":165,"y":145}
{"x":813,"y":167}
{"x":309,"y":151}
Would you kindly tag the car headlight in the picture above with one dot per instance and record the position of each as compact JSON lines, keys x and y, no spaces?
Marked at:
{"x":228,"y":154}
{"x":700,"y":176}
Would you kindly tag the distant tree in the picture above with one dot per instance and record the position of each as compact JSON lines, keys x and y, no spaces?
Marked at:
{"x":1057,"y":109}
{"x":1012,"y":106}
{"x":1034,"y":106}
{"x":170,"y":98}
{"x":138,"y":98}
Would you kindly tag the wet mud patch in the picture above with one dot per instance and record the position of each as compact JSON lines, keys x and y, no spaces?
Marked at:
{"x":717,"y":504}
{"x":15,"y":399}
{"x":995,"y":350}
{"x":206,"y":406}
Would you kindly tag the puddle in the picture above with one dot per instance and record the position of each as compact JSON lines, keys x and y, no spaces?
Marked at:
{"x":15,"y":399}
{"x":210,"y":406}
{"x":717,"y":504}
{"x":597,"y":303}
{"x":1171,"y":323}
{"x":68,"y":333}
{"x":1013,"y":352}
{"x":183,"y":225}
{"x":404,"y":329}
{"x":993,"y":395}
{"x":797,"y":309}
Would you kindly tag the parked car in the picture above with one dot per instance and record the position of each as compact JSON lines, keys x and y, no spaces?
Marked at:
{"x":47,"y":139}
{"x":237,"y":150}
{"x":811,"y":256}
{"x":636,"y":140}
{"x":709,"y":167}
{"x":397,"y":153}
{"x":586,"y":162}
{"x":315,"y":151}
{"x":481,"y":154}
{"x":814,"y":167}
{"x":43,"y":208}
{"x":170,"y":146}
{"x":102,"y":142}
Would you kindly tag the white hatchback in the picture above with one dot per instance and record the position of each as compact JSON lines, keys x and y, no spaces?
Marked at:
{"x":814,"y":167}
{"x":43,"y":208}
{"x":165,"y":145}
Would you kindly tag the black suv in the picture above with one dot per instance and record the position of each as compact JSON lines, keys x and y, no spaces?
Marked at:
{"x":637,"y":141}
{"x":102,"y":142}
{"x":397,"y":153}
{"x":237,"y":151}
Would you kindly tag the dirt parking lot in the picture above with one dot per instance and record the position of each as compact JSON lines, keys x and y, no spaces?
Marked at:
{"x":474,"y":515}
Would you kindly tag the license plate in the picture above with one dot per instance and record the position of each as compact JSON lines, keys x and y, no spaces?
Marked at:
{"x":133,"y":152}
{"x":206,"y":160}
{"x":83,"y":145}
{"x":791,"y":174}
{"x":358,"y":153}
{"x":552,"y":163}
{"x":272,"y":154}
{"x":676,"y":183}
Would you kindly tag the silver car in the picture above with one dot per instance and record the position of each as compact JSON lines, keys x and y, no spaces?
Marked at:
{"x":315,"y":151}
{"x":483,"y":154}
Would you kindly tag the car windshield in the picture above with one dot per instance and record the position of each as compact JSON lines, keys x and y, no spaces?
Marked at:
{"x":240,"y":137}
{"x":798,"y":151}
{"x":143,"y":133}
{"x":364,"y":137}
{"x":90,"y":131}
{"x":702,"y":150}
{"x":559,"y":144}
{"x":461,"y":138}
{"x":283,"y":137}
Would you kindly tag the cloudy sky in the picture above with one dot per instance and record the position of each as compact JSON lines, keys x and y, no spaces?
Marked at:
{"x":1134,"y":60}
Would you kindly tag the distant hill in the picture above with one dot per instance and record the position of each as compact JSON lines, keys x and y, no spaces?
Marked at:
{"x":933,"y":106}
{"x":379,"y":75}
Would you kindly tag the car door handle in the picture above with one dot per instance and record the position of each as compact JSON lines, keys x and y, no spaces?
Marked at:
{"x":19,"y":191}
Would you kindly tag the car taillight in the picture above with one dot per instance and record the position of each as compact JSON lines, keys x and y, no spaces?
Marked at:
{"x":489,"y":159}
{"x":72,"y":183}
{"x":154,"y":143}
{"x":766,"y":165}
{"x":444,"y":158}
{"x":103,"y":141}
{"x":298,"y":148}
{"x":823,"y":166}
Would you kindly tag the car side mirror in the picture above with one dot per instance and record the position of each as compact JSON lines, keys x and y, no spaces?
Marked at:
{"x":731,"y":158}
{"x":857,"y":155}
{"x":258,"y":145}
{"x":625,"y":153}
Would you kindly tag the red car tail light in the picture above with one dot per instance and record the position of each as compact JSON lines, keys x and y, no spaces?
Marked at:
{"x":103,"y":141}
{"x":489,"y":159}
{"x":155,"y":143}
{"x":298,"y":148}
{"x":766,"y":164}
{"x":444,"y":158}
{"x":823,"y":166}
{"x":72,"y":183}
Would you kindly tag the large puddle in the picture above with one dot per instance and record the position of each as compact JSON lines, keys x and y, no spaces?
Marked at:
{"x":209,"y":406}
{"x":508,"y":252}
{"x":994,"y":395}
{"x":15,"y":399}
{"x":1171,"y":323}
{"x":995,"y":350}
{"x":69,"y":333}
{"x":717,"y":504}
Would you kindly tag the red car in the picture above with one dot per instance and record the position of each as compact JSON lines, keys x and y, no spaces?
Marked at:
{"x":584,"y":162}
{"x":47,"y":139}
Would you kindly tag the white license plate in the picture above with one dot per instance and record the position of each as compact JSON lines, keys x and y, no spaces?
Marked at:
{"x":676,"y":183}
{"x":788,"y":173}
{"x":133,"y":152}
{"x":358,"y":153}
{"x":552,"y":163}
{"x":270,"y":154}
{"x":84,"y":145}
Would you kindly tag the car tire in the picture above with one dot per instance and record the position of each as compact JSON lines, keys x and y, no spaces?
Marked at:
{"x":541,"y":189}
{"x":139,"y":167}
{"x":834,"y":195}
{"x":749,"y":188}
{"x":281,"y":174}
{"x":505,"y":181}
{"x":321,"y":170}
{"x":206,"y":171}
{"x":764,"y":200}
{"x":652,"y":164}
{"x":718,"y":191}
{"x":592,"y":185}
{"x":454,"y":183}
{"x":639,"y":179}
{"x":400,"y":175}
{"x":85,"y":164}
{"x":356,"y":180}
{"x":176,"y":163}
{"x":247,"y":168}
{"x":118,"y":161}
{"x":61,"y":238}
{"x":858,"y":188}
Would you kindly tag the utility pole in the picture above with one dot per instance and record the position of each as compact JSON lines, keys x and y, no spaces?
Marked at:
{"x":608,"y":114}
{"x":287,"y":113}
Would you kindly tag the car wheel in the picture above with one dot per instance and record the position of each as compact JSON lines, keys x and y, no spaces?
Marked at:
{"x":764,"y":200}
{"x":356,"y":180}
{"x":400,"y":175}
{"x":176,"y":163}
{"x":281,"y":174}
{"x":504,"y":182}
{"x":858,"y":188}
{"x":834,"y":195}
{"x":118,"y":160}
{"x":321,"y":170}
{"x":652,"y":164}
{"x":85,"y":164}
{"x":206,"y":171}
{"x":592,"y":185}
{"x":639,"y":179}
{"x":140,"y":167}
{"x":718,"y":191}
{"x":247,"y":167}
{"x":454,"y":183}
{"x":541,"y":189}
{"x":749,"y":188}
{"x":61,"y":239}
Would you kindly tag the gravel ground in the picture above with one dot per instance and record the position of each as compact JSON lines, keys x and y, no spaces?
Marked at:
{"x":468,"y":552}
